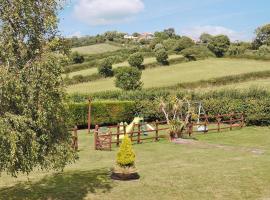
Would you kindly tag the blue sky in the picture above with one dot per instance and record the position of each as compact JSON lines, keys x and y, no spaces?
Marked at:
{"x":236,"y":18}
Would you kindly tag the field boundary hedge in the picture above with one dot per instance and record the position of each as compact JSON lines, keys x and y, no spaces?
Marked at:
{"x":103,"y":112}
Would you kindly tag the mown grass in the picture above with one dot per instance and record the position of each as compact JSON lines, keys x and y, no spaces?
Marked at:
{"x":96,"y":48}
{"x":228,"y":165}
{"x":123,"y":64}
{"x":179,"y":73}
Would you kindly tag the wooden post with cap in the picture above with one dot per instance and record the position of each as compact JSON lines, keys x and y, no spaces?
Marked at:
{"x":89,"y":114}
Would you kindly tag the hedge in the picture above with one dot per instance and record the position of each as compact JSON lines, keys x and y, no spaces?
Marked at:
{"x":103,"y":112}
{"x":254,"y":103}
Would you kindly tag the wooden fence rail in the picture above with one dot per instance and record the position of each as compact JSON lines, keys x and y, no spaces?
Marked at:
{"x":105,"y":137}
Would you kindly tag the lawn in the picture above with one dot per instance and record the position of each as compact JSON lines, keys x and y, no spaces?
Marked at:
{"x":94,"y":70}
{"x":183,"y":72}
{"x":96,"y":48}
{"x":228,"y":165}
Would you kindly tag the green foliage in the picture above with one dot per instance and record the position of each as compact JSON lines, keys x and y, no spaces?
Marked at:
{"x":162,"y":56}
{"x":136,"y":60}
{"x":183,"y":43}
{"x":264,"y":50}
{"x":197,"y":52}
{"x":103,"y":112}
{"x":262,"y":36}
{"x":77,"y":58}
{"x":128,"y":78}
{"x":219,"y":45}
{"x":105,"y":67}
{"x":32,"y":117}
{"x":125,"y":156}
{"x":205,"y":38}
{"x":158,"y":47}
{"x":170,"y":44}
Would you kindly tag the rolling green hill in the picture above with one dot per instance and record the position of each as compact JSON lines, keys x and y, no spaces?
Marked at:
{"x":95,"y":49}
{"x":94,"y":70}
{"x":178,"y":73}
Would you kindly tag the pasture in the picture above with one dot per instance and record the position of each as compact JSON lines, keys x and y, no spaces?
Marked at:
{"x":227,"y":165}
{"x":179,"y":73}
{"x":90,"y":71}
{"x":95,"y":49}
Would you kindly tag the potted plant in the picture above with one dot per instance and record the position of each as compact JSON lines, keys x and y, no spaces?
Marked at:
{"x":125,"y":162}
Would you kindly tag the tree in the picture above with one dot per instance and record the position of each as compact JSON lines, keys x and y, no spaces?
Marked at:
{"x":33,"y":122}
{"x":264,"y":50}
{"x":125,"y":156}
{"x":162,"y":56}
{"x":170,"y":32}
{"x":197,"y":52}
{"x":158,"y":47}
{"x":262,"y":36}
{"x":183,"y":43}
{"x":219,"y":45}
{"x":105,"y":67}
{"x":128,"y":78}
{"x":136,"y":60}
{"x":169,"y":44}
{"x":205,"y":38}
{"x":77,"y":58}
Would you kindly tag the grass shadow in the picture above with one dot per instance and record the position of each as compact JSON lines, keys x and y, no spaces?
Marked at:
{"x":62,"y":186}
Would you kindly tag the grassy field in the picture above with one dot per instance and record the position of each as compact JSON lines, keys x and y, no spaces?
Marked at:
{"x":183,"y":72}
{"x":94,"y":70}
{"x":96,"y":48}
{"x":261,"y":83}
{"x":228,"y":165}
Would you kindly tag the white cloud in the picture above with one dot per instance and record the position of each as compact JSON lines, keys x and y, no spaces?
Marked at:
{"x":195,"y":32}
{"x":104,"y":12}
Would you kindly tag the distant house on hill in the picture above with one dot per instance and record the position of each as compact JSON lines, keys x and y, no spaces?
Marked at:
{"x":142,"y":36}
{"x":130,"y":37}
{"x":146,"y":36}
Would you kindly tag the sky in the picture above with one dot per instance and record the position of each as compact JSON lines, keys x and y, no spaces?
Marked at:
{"x":236,"y":18}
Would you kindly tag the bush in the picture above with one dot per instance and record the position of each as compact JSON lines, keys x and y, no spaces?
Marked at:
{"x":136,"y":60}
{"x":197,"y":52}
{"x":77,"y":58}
{"x":183,"y":43}
{"x":264,"y":50}
{"x":219,"y":45}
{"x":105,"y":68}
{"x":128,"y":78}
{"x":162,"y":56}
{"x":125,"y":156}
{"x":158,"y":47}
{"x":103,"y":112}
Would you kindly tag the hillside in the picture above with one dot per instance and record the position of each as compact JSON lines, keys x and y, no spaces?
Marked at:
{"x":96,"y":49}
{"x":179,"y":73}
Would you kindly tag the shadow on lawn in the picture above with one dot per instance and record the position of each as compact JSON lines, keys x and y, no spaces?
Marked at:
{"x":62,"y":186}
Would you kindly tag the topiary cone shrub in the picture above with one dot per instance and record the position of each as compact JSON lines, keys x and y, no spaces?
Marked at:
{"x":125,"y":162}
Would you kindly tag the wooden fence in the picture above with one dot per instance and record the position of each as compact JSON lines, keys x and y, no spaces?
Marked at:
{"x":105,"y":137}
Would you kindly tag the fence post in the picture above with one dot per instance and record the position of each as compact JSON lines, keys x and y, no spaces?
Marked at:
{"x":89,"y":114}
{"x":96,"y":136}
{"x":110,"y":140}
{"x":156,"y":130}
{"x":190,"y":129}
{"x":231,"y":121}
{"x":205,"y":123}
{"x":118,"y":135}
{"x":242,"y":120}
{"x":139,"y":134}
{"x":124,"y":127}
{"x":76,"y":145}
{"x":218,"y":122}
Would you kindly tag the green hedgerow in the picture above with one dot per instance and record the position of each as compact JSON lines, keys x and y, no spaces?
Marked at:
{"x":126,"y":156}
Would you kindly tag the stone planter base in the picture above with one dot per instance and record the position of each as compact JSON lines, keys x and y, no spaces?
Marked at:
{"x":124,"y":173}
